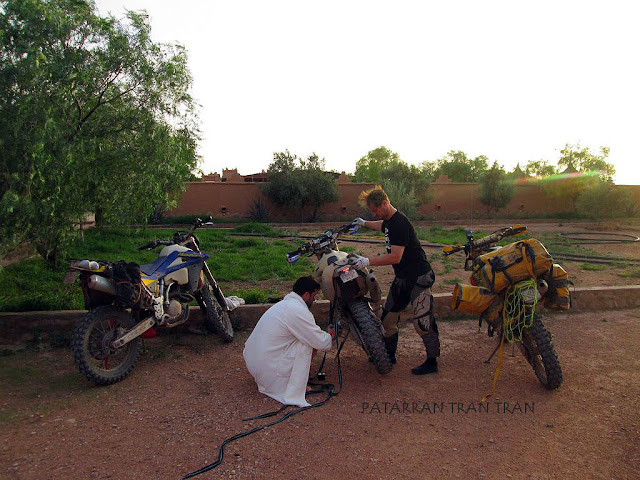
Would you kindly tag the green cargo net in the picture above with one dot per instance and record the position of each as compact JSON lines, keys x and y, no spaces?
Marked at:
{"x":519,"y":306}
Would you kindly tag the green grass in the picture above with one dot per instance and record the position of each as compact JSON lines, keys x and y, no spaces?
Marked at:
{"x":32,"y":285}
{"x":254,"y":296}
{"x":635,"y":273}
{"x":258,"y":229}
{"x":592,"y":267}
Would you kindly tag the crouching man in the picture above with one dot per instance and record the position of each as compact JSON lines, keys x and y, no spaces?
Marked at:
{"x":278,"y":352}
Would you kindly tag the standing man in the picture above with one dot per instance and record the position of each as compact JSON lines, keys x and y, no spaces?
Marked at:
{"x":278,"y":352}
{"x":413,"y":280}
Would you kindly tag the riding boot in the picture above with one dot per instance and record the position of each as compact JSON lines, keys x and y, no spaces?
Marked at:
{"x":430,"y":365}
{"x":392,"y":346}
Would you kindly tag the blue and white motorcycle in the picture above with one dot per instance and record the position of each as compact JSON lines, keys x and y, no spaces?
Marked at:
{"x":126,"y":300}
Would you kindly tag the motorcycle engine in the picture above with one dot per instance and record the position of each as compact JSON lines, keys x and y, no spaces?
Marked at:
{"x":176,"y":313}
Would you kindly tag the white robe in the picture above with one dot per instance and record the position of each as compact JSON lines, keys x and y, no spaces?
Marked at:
{"x":278,"y":351}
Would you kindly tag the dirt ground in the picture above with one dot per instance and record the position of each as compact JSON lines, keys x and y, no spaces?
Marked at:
{"x":188,"y":393}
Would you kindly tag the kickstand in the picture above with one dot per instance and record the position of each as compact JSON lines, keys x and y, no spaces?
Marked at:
{"x":488,"y":360}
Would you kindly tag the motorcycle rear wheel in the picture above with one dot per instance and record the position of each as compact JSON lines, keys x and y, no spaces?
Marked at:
{"x":91,"y":348}
{"x":371,"y":334}
{"x":216,"y":318}
{"x":538,"y":349}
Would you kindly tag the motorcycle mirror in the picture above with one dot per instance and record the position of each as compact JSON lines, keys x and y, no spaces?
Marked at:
{"x":448,"y":249}
{"x":518,"y":229}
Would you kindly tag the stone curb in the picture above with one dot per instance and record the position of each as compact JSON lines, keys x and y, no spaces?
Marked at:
{"x":25,"y":327}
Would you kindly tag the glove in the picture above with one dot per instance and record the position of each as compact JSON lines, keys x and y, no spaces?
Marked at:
{"x":358,"y":221}
{"x":361,"y":262}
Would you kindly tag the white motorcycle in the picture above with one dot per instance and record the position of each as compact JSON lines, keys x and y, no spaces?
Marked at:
{"x":350,"y":291}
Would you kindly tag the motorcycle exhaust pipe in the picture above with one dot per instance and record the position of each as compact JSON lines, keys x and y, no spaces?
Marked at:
{"x":101,"y":284}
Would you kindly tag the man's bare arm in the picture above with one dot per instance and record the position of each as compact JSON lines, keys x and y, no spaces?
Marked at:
{"x":373,"y":224}
{"x":389,"y":258}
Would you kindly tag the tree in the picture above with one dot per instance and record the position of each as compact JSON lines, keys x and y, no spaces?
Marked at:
{"x":582,"y":171}
{"x":385,"y":167}
{"x":94,"y":117}
{"x":605,"y":200}
{"x":576,"y":159}
{"x":403,"y":198}
{"x":459,"y":168}
{"x":539,"y":168}
{"x":496,"y":191}
{"x":369,"y":168}
{"x":300,"y":184}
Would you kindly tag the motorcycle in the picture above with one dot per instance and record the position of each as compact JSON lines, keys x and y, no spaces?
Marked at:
{"x":511,"y":310}
{"x":350,"y":291}
{"x":126,"y":300}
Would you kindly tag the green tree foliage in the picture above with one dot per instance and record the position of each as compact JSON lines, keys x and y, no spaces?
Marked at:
{"x":582,"y":171}
{"x":369,"y":168}
{"x":496,"y":190}
{"x":539,"y":168}
{"x":385,"y":167}
{"x":460,"y":168}
{"x":403,"y":198}
{"x":576,"y":159}
{"x":299,"y":184}
{"x":605,"y":200}
{"x":94,"y":117}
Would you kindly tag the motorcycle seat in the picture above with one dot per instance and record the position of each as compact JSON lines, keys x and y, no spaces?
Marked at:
{"x":150,"y":268}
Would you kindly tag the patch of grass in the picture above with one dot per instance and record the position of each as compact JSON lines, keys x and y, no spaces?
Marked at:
{"x":634,"y":273}
{"x":258,"y":229}
{"x":452,"y":281}
{"x":447,"y":269}
{"x":592,"y":267}
{"x":441,"y":235}
{"x":255,"y":296}
{"x":32,"y":285}
{"x":6,"y":417}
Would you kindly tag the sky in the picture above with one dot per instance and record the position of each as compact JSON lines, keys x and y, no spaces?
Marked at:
{"x":514,"y":81}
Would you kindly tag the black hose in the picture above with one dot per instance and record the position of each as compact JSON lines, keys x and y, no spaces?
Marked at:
{"x":622,"y":237}
{"x":328,"y":387}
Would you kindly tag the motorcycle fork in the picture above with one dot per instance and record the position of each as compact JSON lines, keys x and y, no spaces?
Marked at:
{"x":214,"y":285}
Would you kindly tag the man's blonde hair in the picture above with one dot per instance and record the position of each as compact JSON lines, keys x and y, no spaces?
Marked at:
{"x":375,"y":196}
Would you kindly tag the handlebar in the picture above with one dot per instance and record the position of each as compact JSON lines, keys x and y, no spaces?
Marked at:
{"x":484,"y":242}
{"x":155,"y":243}
{"x":321,"y":241}
{"x":179,"y":237}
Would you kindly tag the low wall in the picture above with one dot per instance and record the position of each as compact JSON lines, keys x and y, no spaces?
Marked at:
{"x":55,"y":327}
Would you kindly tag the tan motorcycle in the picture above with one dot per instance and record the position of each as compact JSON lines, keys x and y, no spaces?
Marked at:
{"x":350,"y":291}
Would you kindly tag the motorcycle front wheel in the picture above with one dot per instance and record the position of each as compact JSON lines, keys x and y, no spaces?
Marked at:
{"x":91,"y":345}
{"x":216,"y":318}
{"x":538,"y":349}
{"x":371,"y":335}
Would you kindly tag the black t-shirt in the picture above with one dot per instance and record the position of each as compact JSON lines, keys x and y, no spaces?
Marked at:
{"x":399,"y":231}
